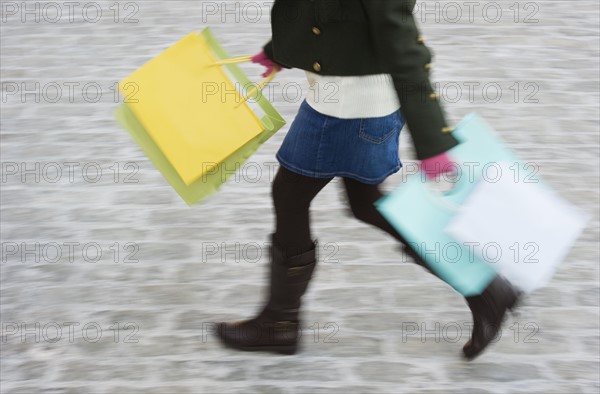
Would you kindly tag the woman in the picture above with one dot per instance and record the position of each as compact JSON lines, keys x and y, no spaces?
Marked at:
{"x":371,"y":51}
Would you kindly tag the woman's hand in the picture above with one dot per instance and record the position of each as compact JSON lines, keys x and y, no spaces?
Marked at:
{"x":438,"y":165}
{"x":262,"y":59}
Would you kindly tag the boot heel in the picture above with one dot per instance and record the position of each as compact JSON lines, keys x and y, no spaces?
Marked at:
{"x":286,"y":350}
{"x":514,"y":307}
{"x":517,"y":301}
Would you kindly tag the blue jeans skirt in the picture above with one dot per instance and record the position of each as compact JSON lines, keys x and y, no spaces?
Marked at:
{"x":322,"y":146}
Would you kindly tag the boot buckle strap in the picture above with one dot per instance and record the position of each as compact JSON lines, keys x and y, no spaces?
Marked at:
{"x":294,"y":271}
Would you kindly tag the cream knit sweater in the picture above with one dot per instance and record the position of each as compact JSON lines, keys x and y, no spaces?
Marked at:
{"x":366,"y":96}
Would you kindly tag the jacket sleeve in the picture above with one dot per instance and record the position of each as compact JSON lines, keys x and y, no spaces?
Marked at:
{"x":402,"y":53}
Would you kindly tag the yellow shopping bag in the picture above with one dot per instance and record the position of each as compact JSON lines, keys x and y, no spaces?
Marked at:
{"x":188,"y":115}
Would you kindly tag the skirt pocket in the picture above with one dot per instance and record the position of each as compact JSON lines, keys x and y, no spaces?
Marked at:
{"x":378,"y":130}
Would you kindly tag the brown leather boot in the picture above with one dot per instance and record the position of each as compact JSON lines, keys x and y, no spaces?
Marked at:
{"x":489,"y":309}
{"x":277,"y":327}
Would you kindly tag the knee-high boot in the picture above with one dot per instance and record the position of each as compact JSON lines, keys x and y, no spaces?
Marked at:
{"x":277,"y":327}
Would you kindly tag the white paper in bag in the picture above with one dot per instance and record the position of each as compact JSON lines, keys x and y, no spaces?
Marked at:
{"x":523,"y":229}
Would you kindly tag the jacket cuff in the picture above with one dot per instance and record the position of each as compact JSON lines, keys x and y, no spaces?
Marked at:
{"x":268,"y":49}
{"x":425,"y":118}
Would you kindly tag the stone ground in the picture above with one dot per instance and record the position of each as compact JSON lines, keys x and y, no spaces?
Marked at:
{"x":110,"y":283}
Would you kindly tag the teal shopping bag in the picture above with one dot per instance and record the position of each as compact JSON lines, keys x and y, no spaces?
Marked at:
{"x":421,"y":214}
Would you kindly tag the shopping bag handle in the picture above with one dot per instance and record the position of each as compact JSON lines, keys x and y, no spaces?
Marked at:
{"x":258,"y":87}
{"x":445,"y":199}
{"x":233,"y":60}
{"x":244,"y":59}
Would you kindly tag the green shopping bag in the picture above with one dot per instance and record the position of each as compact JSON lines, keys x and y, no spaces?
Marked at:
{"x":166,"y":138}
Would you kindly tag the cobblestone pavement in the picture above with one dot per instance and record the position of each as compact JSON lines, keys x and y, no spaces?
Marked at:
{"x":110,"y":282}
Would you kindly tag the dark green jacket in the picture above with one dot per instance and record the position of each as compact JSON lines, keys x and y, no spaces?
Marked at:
{"x":361,"y":37}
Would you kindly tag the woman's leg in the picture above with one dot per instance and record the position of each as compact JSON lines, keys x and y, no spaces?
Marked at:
{"x":488,"y":309}
{"x":293,"y":259}
{"x":361,"y":198}
{"x":292,"y":194}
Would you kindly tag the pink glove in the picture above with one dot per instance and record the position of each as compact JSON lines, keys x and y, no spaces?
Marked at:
{"x":262,"y":59}
{"x":437,"y":165}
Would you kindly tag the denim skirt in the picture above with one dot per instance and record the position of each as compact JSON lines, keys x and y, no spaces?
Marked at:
{"x":322,"y":146}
